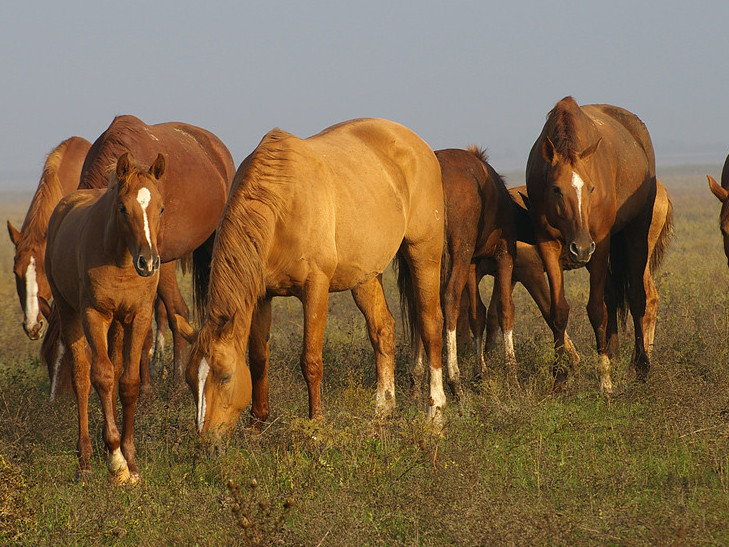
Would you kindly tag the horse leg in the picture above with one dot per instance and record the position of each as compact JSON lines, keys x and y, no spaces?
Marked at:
{"x":169,"y":291}
{"x":134,"y":335}
{"x":258,"y":356}
{"x":452,"y":292}
{"x":425,"y":280}
{"x":144,"y":362}
{"x":315,"y":299}
{"x":115,"y":345}
{"x":103,"y":375}
{"x":478,"y":322}
{"x":597,"y":310}
{"x":72,"y":336}
{"x":642,"y":297}
{"x":158,"y":351}
{"x":505,"y":267}
{"x":370,"y":299}
{"x":559,"y":309}
{"x":417,"y":370}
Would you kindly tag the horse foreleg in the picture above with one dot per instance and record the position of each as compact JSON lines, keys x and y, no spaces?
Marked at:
{"x":134,"y":335}
{"x":96,"y":327}
{"x":559,"y":309}
{"x":169,"y":291}
{"x":370,"y":299}
{"x":597,"y":310}
{"x":258,"y":356}
{"x":315,"y":298}
{"x":478,"y":321}
{"x":643,"y":300}
{"x":505,"y":265}
{"x":72,"y":336}
{"x":158,"y":352}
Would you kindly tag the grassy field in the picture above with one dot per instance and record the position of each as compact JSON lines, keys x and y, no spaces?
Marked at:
{"x":648,"y":466}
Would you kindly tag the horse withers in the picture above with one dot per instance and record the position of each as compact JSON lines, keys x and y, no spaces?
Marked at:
{"x":591,"y":181}
{"x":310,"y":216}
{"x":102,"y":263}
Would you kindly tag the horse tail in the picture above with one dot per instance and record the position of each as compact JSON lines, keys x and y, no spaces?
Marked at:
{"x":665,"y":236}
{"x":185,"y":263}
{"x":407,"y":297}
{"x":201,"y":259}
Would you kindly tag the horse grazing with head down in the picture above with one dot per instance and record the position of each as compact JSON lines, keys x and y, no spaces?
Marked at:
{"x":310,"y":216}
{"x":591,"y":180}
{"x":479,"y":224}
{"x":60,"y":176}
{"x":102,"y":263}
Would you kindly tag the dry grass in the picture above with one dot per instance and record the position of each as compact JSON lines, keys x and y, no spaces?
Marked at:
{"x":647,"y":466}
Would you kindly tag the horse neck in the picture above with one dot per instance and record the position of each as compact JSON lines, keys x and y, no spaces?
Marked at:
{"x":35,"y":225}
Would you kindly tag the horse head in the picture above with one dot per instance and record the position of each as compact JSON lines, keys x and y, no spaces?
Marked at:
{"x":138,"y":210}
{"x":722,"y":194}
{"x":217,"y":374}
{"x":568,"y":195}
{"x":30,"y":281}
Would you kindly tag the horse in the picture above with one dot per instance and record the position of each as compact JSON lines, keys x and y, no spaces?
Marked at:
{"x":195,"y":188}
{"x":591,"y":181}
{"x":722,"y":194}
{"x":60,"y":176}
{"x":102,"y":263}
{"x":310,"y":216}
{"x":529,"y":271}
{"x":479,"y":224}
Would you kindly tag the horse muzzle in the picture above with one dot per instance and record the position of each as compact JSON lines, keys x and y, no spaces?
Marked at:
{"x":580,"y":253}
{"x":147,"y":266}
{"x":37,"y":331}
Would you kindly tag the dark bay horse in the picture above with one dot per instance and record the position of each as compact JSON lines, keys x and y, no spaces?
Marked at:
{"x":306,"y":217}
{"x":722,"y":194}
{"x":60,"y":176}
{"x":195,"y":187}
{"x":479,"y":224}
{"x":591,"y":181}
{"x":102,"y":263}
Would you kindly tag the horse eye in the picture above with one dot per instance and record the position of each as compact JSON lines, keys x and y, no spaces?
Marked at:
{"x":592,"y":189}
{"x":162,"y":210}
{"x":225,"y":379}
{"x":556,"y":190}
{"x":122,"y":209}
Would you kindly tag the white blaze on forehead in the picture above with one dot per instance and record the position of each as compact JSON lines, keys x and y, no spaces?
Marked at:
{"x":577,"y":184}
{"x":31,"y":295}
{"x":143,"y":198}
{"x":202,"y":377}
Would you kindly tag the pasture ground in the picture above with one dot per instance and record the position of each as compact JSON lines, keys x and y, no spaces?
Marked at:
{"x":648,"y":466}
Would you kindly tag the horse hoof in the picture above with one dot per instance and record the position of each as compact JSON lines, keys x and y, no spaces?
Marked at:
{"x":134,"y":478}
{"x":606,"y":386}
{"x":120,"y":478}
{"x":83,"y":476}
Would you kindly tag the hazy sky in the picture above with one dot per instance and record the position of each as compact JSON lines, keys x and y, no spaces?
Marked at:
{"x":455,"y":72}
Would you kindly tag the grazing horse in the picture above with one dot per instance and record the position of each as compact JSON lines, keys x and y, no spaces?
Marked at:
{"x":306,"y":217}
{"x":591,"y":181}
{"x":722,"y":194}
{"x":195,"y":188}
{"x":102,"y":264}
{"x":479,"y":224}
{"x":60,"y":176}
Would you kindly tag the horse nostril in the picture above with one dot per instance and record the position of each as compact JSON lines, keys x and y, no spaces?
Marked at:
{"x":156,"y":262}
{"x":141,"y":263}
{"x":592,"y":247}
{"x":573,"y":249}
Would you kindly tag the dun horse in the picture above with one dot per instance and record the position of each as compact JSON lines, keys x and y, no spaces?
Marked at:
{"x":304,"y":218}
{"x":60,"y":176}
{"x":591,"y":181}
{"x":479,"y":224}
{"x":102,"y":263}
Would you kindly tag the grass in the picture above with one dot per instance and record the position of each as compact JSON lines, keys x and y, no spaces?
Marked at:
{"x":649,"y":465}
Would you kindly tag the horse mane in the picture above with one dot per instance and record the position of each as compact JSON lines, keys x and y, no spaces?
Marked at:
{"x":243,"y":235}
{"x":499,"y":181}
{"x":47,"y":195}
{"x":562,"y":124}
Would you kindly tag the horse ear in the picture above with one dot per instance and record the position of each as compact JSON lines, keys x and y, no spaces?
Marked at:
{"x":157,"y":169}
{"x":548,"y":152}
{"x":123,"y":166}
{"x":14,"y":234}
{"x":185,"y":329}
{"x":590,"y":150}
{"x":228,"y":328}
{"x":721,"y":193}
{"x":45,"y":307}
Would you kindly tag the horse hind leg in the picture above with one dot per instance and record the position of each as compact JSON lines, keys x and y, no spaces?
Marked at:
{"x":315,"y":299}
{"x":370,"y":299}
{"x":452,"y":292}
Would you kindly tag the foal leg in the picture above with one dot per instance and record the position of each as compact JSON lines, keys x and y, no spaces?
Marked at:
{"x":134,"y":335}
{"x":370,"y":299}
{"x":258,"y":356}
{"x":72,"y":336}
{"x":315,"y":298}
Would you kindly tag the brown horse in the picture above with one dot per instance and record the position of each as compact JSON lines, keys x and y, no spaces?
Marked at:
{"x":529,"y":271}
{"x":479,"y":224}
{"x":591,"y":181}
{"x":60,"y":176}
{"x":306,"y":217}
{"x":102,"y":263}
{"x":195,"y":188}
{"x":722,"y":194}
